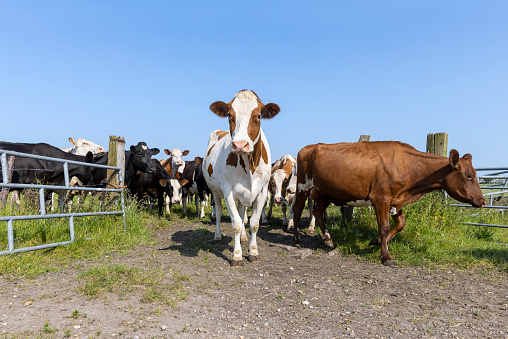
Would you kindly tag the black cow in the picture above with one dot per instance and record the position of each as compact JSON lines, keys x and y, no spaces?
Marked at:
{"x":34,"y":171}
{"x":155,"y":185}
{"x":196,"y":185}
{"x":139,"y":158}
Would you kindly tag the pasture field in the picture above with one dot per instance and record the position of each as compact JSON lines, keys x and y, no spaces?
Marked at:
{"x":165,"y":278}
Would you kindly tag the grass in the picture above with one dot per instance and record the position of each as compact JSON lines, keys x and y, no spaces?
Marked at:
{"x":433,"y":235}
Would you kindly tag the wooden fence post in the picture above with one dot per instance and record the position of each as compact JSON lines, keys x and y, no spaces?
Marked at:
{"x":437,"y":143}
{"x":347,"y":212}
{"x":5,"y":191}
{"x":116,"y":158}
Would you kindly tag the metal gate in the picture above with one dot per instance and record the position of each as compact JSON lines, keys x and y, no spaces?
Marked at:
{"x":495,"y":185}
{"x":42,"y":203}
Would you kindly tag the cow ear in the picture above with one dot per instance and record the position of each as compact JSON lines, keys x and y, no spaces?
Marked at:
{"x":220,"y":108}
{"x":72,"y":141}
{"x":199,"y":160}
{"x":468,"y":157}
{"x":168,"y":152}
{"x":163,"y":182}
{"x":454,"y":158}
{"x":185,"y":152}
{"x":133,"y":148}
{"x":183,"y":182}
{"x":154,"y":151}
{"x":89,"y":157}
{"x":270,"y":110}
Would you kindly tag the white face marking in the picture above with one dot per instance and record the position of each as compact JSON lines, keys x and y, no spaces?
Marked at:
{"x":144,"y":147}
{"x":177,"y":163}
{"x":243,"y":107}
{"x":82,"y":147}
{"x":177,"y":191}
{"x":278,"y":176}
{"x":309,"y":183}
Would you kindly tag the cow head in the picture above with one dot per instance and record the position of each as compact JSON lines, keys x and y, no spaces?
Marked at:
{"x":173,"y":188}
{"x":141,"y":157}
{"x":177,"y":163}
{"x":279,"y":181}
{"x":244,"y":112}
{"x":82,"y":146}
{"x":462,"y":183}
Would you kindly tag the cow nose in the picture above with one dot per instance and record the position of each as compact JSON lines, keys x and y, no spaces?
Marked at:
{"x":240,"y":147}
{"x":102,"y":150}
{"x":278,"y":201}
{"x":289,"y":190}
{"x":179,"y":163}
{"x":176,"y":201}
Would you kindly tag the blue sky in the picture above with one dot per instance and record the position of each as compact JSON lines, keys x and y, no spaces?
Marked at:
{"x":149,"y":70}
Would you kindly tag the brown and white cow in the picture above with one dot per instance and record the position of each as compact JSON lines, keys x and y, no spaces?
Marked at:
{"x":175,"y":166}
{"x":82,"y":147}
{"x":282,"y":187}
{"x":237,"y":166}
{"x":384,"y":174}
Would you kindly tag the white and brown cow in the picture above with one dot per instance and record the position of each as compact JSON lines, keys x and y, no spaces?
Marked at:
{"x":82,"y":146}
{"x":282,"y":187}
{"x":175,"y":166}
{"x":237,"y":166}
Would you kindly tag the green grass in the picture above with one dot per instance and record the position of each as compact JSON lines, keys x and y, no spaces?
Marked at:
{"x":94,"y":237}
{"x":433,"y":235}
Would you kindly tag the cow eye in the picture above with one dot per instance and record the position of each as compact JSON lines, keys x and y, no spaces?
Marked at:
{"x":469,"y":176}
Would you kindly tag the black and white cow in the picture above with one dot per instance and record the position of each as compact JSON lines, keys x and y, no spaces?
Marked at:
{"x":196,"y":186}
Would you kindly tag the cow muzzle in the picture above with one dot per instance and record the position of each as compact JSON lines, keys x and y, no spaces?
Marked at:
{"x":279,"y":200}
{"x":241,"y":147}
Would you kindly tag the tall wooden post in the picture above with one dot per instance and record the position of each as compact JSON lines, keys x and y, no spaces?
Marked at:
{"x":116,"y":158}
{"x":437,"y":143}
{"x":347,"y":212}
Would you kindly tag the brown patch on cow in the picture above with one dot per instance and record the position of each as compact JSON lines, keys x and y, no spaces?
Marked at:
{"x":166,"y":164}
{"x":210,"y":150}
{"x":256,"y":155}
{"x":210,"y":170}
{"x":287,"y":166}
{"x":242,"y":163}
{"x":221,"y":134}
{"x":232,"y":159}
{"x":255,"y":122}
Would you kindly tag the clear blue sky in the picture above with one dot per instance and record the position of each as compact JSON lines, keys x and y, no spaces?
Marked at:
{"x":149,"y":70}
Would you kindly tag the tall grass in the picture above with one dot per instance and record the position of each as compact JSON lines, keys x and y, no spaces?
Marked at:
{"x":434,"y":235}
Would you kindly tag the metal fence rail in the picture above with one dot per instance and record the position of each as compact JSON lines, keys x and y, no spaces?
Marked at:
{"x":42,"y":203}
{"x":494,"y":185}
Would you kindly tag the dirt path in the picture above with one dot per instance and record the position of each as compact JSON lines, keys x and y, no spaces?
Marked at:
{"x":289,"y":294}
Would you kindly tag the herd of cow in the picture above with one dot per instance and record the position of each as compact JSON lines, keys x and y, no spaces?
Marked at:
{"x":237,"y":167}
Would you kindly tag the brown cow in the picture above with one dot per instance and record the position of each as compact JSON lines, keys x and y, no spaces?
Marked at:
{"x":384,"y":174}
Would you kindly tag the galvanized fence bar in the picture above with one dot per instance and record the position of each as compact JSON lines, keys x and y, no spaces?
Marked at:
{"x":42,"y":203}
{"x":501,"y":190}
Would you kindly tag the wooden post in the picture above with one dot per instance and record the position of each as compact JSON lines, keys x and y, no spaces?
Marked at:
{"x":437,"y":143}
{"x":116,"y":158}
{"x":5,"y":191}
{"x":347,"y":212}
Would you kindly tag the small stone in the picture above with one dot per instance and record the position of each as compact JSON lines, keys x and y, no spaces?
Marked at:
{"x":305,"y":302}
{"x":164,"y":327}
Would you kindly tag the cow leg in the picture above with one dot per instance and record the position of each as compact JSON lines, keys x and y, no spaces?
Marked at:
{"x":269,"y":215}
{"x":400,"y":222}
{"x":168,"y":203}
{"x":291,"y":215}
{"x":257,"y":208}
{"x":298,"y":206}
{"x":237,"y":223}
{"x":318,"y":212}
{"x":383,"y":221}
{"x":284,"y":208}
{"x":312,"y":223}
{"x":264,"y":219}
{"x":160,"y":202}
{"x":183,"y":202}
{"x":242,"y":210}
{"x":218,"y":213}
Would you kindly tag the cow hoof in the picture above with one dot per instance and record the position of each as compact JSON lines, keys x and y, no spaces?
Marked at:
{"x":298,"y":246}
{"x":253,"y":258}
{"x":390,"y":263}
{"x":288,"y":229}
{"x":310,"y":232}
{"x":375,"y":241}
{"x":329,"y":243}
{"x":236,"y":263}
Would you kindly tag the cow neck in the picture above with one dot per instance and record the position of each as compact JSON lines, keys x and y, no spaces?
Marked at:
{"x":431,"y":171}
{"x":130,"y":169}
{"x":255,"y":156}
